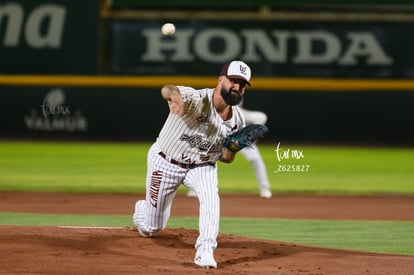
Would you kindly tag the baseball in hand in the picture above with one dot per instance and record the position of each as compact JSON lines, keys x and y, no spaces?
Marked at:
{"x":168,"y":29}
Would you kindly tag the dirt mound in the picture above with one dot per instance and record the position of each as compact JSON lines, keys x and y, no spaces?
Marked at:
{"x":81,"y":250}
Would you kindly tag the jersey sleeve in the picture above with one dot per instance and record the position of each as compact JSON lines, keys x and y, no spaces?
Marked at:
{"x":192,"y":99}
{"x":187,"y":93}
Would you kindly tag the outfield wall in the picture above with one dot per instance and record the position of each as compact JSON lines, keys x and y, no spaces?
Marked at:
{"x":123,"y":108}
{"x":90,"y":72}
{"x":49,"y":37}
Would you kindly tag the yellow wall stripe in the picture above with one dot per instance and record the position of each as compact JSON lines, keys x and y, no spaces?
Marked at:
{"x":259,"y":83}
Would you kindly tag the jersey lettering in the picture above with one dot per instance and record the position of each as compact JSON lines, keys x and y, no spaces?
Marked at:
{"x":156,"y":179}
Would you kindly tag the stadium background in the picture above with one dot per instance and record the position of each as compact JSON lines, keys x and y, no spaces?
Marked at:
{"x":327,"y":72}
{"x":330,"y":72}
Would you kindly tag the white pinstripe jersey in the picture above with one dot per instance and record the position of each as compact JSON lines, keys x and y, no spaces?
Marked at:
{"x":198,"y":135}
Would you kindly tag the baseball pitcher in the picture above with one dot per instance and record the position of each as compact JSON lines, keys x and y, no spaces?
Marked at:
{"x":200,"y":130}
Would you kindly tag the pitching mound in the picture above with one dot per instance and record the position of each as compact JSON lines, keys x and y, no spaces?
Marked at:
{"x":77,"y":250}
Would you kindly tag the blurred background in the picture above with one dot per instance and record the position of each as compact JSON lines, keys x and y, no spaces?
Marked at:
{"x":326,"y":72}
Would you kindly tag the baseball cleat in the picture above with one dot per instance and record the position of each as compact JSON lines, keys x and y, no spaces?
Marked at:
{"x":265,"y":193}
{"x":139,"y":219}
{"x":144,"y":233}
{"x":205,"y":260}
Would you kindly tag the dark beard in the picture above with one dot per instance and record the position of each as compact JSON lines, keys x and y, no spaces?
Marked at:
{"x":231,"y":98}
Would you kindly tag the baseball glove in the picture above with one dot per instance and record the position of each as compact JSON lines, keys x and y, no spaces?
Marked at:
{"x":245,"y":137}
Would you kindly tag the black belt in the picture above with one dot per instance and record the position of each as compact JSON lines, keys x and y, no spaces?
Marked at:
{"x":184,"y":165}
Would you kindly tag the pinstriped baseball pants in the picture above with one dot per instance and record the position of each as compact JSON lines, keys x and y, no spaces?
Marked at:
{"x":163,"y":179}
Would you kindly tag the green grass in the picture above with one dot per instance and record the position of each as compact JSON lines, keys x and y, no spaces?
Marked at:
{"x":374,"y":236}
{"x":121,"y":168}
{"x":346,"y":170}
{"x":64,"y":220}
{"x":72,"y":167}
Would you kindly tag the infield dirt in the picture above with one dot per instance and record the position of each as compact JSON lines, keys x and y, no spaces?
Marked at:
{"x":80,"y":250}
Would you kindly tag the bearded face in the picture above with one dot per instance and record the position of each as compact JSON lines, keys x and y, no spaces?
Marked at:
{"x":231,"y":96}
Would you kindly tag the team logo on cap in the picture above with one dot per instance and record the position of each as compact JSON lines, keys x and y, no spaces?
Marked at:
{"x":243,"y":69}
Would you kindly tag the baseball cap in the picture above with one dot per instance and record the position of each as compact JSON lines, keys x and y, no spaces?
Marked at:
{"x":237,"y":70}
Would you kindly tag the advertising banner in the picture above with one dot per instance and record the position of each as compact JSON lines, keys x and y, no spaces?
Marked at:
{"x":136,"y":4}
{"x":80,"y":113}
{"x":272,"y":48}
{"x":84,"y":113}
{"x":49,"y":37}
